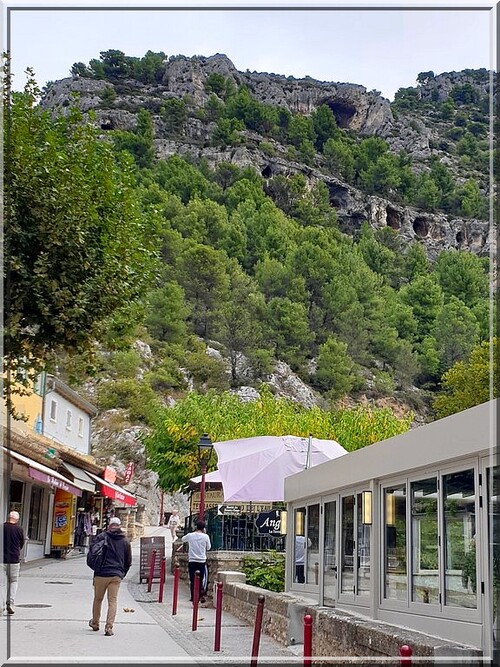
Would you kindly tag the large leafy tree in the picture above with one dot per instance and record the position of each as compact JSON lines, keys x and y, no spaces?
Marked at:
{"x":172,"y":440}
{"x":75,"y":238}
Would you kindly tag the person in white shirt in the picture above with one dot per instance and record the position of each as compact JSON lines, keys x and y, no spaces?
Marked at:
{"x":173,"y":523}
{"x":199,"y":544}
{"x":300,"y":555}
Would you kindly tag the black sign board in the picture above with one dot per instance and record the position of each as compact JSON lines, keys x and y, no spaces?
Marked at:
{"x":269,"y":523}
{"x":148,"y":545}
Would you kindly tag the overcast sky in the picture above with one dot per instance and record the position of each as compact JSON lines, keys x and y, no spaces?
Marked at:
{"x":379,"y":49}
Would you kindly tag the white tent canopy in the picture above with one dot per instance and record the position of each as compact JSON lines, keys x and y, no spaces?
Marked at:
{"x":254,"y":469}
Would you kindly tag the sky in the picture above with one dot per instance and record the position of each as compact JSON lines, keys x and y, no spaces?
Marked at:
{"x":380,"y":49}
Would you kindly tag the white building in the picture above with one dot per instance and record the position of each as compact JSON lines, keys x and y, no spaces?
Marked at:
{"x":402,"y":530}
{"x":66,"y":416}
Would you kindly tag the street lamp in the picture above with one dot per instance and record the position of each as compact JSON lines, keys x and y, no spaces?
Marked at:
{"x":205,"y":447}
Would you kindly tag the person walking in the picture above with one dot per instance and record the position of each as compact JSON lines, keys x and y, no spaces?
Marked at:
{"x":173,"y":523}
{"x":108,"y":576}
{"x":13,"y":542}
{"x":198,"y":543}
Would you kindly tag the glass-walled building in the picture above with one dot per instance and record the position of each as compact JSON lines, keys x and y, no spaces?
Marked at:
{"x":405,"y":530}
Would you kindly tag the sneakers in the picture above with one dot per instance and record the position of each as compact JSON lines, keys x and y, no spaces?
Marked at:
{"x":94,"y":626}
{"x":108,"y":631}
{"x":9,"y":609}
{"x":202,"y":600}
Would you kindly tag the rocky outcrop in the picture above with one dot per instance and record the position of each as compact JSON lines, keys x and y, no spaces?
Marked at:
{"x":436,"y":231}
{"x":356,"y":109}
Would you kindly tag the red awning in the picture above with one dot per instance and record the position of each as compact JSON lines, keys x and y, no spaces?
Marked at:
{"x":114,"y":491}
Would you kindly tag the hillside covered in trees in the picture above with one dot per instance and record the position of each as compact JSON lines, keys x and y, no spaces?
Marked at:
{"x":279,"y":221}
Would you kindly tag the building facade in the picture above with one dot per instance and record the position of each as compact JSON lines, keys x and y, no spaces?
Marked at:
{"x":49,"y":476}
{"x":403,"y":530}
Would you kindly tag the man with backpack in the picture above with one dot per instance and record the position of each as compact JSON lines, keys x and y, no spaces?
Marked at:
{"x":110,"y":556}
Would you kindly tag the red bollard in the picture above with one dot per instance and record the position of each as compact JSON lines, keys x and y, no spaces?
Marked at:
{"x":308,"y":636}
{"x":162,"y":579}
{"x":176,"y":589}
{"x":218,"y":616}
{"x":405,"y":652}
{"x":151,"y":569}
{"x":257,"y":630}
{"x":196,"y":597}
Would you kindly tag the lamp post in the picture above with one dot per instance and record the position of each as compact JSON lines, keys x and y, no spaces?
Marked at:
{"x":205,"y":447}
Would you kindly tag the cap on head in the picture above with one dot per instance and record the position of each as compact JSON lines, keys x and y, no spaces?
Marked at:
{"x":13,"y":516}
{"x":115,"y":521}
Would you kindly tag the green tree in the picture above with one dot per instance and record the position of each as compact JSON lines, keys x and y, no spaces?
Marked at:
{"x":77,"y":247}
{"x":237,"y":326}
{"x":202,"y":274}
{"x":463,"y":275}
{"x":324,"y":126}
{"x":335,"y":369}
{"x":425,"y":297}
{"x":456,"y":332}
{"x":80,"y":69}
{"x":167,"y":313}
{"x":468,"y":383}
{"x":339,"y":158}
{"x":301,"y":129}
{"x":174,"y":115}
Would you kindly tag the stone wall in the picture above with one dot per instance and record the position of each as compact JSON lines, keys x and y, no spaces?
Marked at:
{"x":335,"y":633}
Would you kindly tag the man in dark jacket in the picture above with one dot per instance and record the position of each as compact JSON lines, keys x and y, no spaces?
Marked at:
{"x":115,"y":566}
{"x":13,"y":542}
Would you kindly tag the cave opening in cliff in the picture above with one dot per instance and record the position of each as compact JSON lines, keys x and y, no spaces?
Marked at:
{"x":421,"y":227}
{"x":267,"y":172}
{"x":460,"y":237}
{"x":393,"y":218}
{"x":338,"y":195}
{"x":343,"y":112}
{"x":107,"y":124}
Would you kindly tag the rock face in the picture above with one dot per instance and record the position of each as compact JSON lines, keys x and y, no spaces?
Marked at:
{"x":356,"y":109}
{"x":115,"y":443}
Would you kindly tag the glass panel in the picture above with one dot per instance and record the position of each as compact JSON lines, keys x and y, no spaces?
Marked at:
{"x":395,"y":543}
{"x":312,"y":551}
{"x":347,"y":574}
{"x":363,"y":550}
{"x":425,"y":554}
{"x":459,"y":506}
{"x":299,"y":544}
{"x":493,"y":495}
{"x":35,"y":511}
{"x":330,"y":554}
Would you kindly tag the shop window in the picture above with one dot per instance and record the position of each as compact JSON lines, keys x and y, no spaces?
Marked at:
{"x":35,"y":513}
{"x":364,"y":519}
{"x":347,"y":572}
{"x":53,"y":411}
{"x":300,"y":546}
{"x":330,"y":554}
{"x":395,"y":572}
{"x":425,"y":548}
{"x":312,"y":551}
{"x":459,"y":503}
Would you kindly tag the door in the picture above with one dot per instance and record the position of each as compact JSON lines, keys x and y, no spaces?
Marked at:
{"x":490,"y":556}
{"x":330,"y":555}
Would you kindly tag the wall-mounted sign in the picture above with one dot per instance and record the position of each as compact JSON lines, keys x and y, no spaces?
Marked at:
{"x":212,"y":499}
{"x":129,"y":471}
{"x":109,"y":474}
{"x":269,"y":523}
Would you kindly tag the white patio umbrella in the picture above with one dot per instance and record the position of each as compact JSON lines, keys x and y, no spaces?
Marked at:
{"x":254,"y":469}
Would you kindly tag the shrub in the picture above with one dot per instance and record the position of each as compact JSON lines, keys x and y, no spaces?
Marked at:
{"x":267,"y":572}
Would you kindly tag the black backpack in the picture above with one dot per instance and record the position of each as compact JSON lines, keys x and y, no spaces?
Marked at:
{"x":97,"y":553}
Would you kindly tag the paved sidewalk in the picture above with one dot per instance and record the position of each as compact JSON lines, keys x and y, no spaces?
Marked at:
{"x":53,"y":606}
